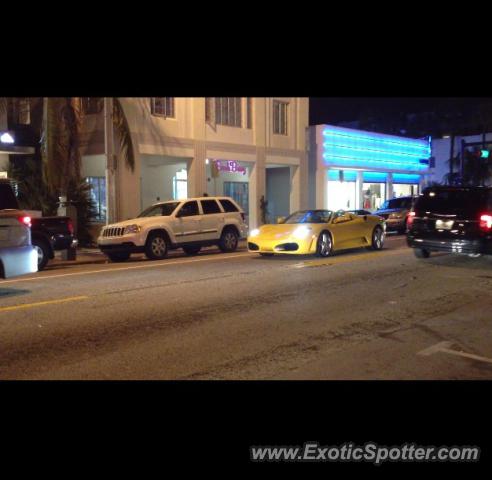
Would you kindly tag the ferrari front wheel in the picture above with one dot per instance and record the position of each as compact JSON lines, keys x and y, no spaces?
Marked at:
{"x":325,"y":245}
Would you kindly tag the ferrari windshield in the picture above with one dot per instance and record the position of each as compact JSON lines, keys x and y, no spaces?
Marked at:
{"x":309,"y":216}
{"x":162,"y":209}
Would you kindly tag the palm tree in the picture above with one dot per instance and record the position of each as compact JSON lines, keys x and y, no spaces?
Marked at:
{"x":60,"y":139}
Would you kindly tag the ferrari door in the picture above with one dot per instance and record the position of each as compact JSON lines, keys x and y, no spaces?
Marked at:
{"x":347,"y":230}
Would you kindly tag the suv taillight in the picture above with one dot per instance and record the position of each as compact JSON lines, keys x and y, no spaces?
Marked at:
{"x":25,"y":220}
{"x":410,"y":217}
{"x":70,"y":226}
{"x":486,"y":222}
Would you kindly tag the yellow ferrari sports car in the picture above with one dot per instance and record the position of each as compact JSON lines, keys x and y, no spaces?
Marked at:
{"x":318,"y":232}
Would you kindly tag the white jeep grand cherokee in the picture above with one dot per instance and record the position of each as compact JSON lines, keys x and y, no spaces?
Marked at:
{"x":188,"y":224}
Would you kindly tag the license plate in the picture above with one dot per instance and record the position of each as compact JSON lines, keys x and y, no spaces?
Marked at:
{"x":444,"y":224}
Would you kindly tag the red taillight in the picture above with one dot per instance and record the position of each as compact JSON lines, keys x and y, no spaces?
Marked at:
{"x":25,"y":220}
{"x":410,"y":217}
{"x":486,"y":222}
{"x":70,"y":226}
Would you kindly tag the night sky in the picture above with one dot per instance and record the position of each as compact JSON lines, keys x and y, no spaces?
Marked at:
{"x":341,"y":109}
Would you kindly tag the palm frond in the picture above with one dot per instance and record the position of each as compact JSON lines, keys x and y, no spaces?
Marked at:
{"x":124,"y":135}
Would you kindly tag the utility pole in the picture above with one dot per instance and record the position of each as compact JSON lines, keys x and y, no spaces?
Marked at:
{"x":462,"y":163}
{"x":111,"y":213}
{"x":451,"y":159}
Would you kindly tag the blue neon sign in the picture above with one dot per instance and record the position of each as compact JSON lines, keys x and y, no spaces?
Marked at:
{"x":374,"y":177}
{"x":405,"y":178}
{"x":355,"y":148}
{"x":348,"y":175}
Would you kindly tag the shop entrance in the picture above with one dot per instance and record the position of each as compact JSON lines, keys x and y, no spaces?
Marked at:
{"x":374,"y":194}
{"x":278,"y":188}
{"x":229,"y":178}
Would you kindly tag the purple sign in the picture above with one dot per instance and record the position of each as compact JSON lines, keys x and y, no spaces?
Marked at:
{"x":230,"y":166}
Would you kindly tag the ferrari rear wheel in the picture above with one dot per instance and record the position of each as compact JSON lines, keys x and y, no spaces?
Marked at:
{"x":377,"y":238}
{"x":325,"y":245}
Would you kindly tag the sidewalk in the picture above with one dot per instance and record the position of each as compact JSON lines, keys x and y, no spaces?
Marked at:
{"x":87,"y":256}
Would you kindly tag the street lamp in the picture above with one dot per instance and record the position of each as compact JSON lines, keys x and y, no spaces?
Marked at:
{"x":6,"y":137}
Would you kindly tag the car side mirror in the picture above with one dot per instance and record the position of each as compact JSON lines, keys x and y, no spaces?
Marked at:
{"x":280,"y":219}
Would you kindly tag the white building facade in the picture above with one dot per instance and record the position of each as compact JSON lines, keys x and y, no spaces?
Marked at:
{"x":353,"y":169}
{"x":246,"y":148}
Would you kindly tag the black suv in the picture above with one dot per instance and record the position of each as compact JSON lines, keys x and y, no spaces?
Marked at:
{"x":451,"y":219}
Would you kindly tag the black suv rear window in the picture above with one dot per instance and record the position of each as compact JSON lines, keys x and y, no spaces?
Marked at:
{"x":466,"y":202}
{"x":7,"y":197}
{"x":404,"y":202}
{"x":228,"y":206}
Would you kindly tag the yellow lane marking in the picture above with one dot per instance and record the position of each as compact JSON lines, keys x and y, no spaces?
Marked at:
{"x":40,"y":304}
{"x":348,"y":259}
{"x":167,"y":263}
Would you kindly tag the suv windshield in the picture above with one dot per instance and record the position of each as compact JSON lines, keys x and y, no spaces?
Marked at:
{"x":163,"y":209}
{"x":309,"y":216}
{"x":396,"y":203}
{"x":466,"y":201}
{"x":7,"y":197}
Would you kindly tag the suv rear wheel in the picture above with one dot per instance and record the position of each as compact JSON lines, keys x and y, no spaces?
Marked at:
{"x":228,"y":240}
{"x":421,"y":253}
{"x":157,"y":246}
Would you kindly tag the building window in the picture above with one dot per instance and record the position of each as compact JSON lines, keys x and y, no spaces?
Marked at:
{"x":92,"y":105}
{"x":280,"y":113}
{"x":224,"y":110}
{"x":21,"y":111}
{"x":162,"y":106}
{"x":98,"y":197}
{"x":249,"y":112}
{"x":180,"y":185}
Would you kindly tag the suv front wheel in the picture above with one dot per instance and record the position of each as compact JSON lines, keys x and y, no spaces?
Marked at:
{"x":157,"y":246}
{"x":228,"y":240}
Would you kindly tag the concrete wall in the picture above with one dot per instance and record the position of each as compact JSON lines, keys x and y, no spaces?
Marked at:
{"x":157,"y":181}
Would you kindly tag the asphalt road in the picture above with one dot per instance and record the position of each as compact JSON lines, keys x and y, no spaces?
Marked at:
{"x":356,"y":315}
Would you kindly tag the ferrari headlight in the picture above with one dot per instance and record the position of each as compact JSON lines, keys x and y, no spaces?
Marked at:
{"x":301,"y":232}
{"x":132,"y":229}
{"x":255,"y":232}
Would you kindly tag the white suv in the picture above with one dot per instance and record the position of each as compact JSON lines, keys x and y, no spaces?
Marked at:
{"x":188,"y":224}
{"x":17,"y":256}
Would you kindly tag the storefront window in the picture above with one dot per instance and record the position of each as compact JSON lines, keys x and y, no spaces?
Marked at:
{"x":98,"y":196}
{"x":374,"y":195}
{"x":180,"y":185}
{"x":341,"y":195}
{"x":402,"y":190}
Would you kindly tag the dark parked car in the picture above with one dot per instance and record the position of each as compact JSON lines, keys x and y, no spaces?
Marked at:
{"x":452,"y":219}
{"x":395,"y":212}
{"x":50,"y":234}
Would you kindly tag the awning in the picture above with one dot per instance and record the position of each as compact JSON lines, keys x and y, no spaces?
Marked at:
{"x":16,"y":150}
